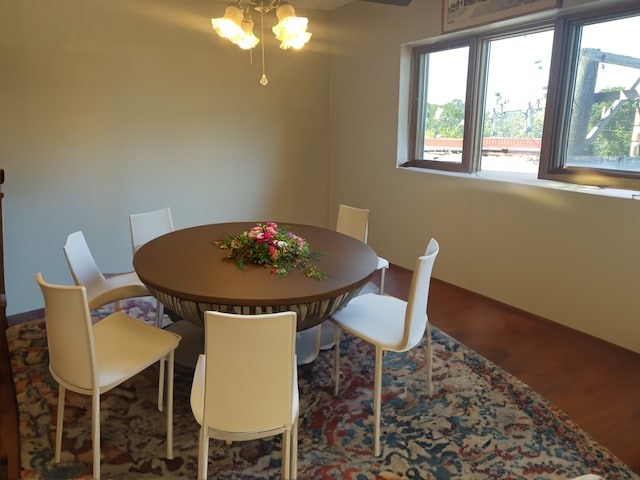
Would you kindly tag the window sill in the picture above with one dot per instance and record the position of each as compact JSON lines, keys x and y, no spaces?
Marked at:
{"x":530,"y":179}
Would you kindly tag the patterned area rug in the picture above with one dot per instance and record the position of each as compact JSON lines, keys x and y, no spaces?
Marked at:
{"x":481,"y":423}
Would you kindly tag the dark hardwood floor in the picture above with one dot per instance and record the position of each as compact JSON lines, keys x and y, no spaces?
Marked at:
{"x":594,"y":382}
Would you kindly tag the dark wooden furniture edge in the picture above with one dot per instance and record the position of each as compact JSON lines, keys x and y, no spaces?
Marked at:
{"x":9,"y":422}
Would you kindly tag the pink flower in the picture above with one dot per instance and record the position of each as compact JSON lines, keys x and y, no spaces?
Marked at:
{"x":277,"y":249}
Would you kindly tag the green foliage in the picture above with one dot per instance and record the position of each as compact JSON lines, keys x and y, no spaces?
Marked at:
{"x":274,"y":247}
{"x":445,"y":120}
{"x":614,"y":139}
{"x":513,"y":124}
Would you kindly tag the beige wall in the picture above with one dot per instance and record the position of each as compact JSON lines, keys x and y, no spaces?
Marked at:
{"x":566,"y":256}
{"x":110,"y":108}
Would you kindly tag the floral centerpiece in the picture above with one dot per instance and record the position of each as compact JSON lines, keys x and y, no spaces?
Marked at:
{"x":273,"y":246}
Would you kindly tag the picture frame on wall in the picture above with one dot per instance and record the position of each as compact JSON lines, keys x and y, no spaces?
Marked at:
{"x":460,"y":14}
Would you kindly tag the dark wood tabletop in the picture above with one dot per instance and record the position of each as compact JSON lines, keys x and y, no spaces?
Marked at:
{"x":190,"y":275}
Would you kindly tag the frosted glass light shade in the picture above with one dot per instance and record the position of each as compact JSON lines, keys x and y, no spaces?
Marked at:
{"x":248,"y":39}
{"x":237,"y":26}
{"x":229,"y":26}
{"x":291,"y":30}
{"x":296,"y":41}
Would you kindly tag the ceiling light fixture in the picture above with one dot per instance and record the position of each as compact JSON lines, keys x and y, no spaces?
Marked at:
{"x":237,"y":26}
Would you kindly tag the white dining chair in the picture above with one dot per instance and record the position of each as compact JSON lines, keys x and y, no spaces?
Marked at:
{"x":149,"y":225}
{"x":390,"y":324}
{"x":245,"y":385}
{"x":308,"y":344}
{"x":93,"y":359}
{"x":145,"y":227}
{"x":101,"y":290}
{"x":354,"y":222}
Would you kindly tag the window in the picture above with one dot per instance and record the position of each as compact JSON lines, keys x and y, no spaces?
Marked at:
{"x":515,"y":101}
{"x":442,"y":107}
{"x":559,"y":99}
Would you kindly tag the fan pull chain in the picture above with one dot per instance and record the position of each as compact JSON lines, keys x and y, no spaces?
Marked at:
{"x":263,"y":80}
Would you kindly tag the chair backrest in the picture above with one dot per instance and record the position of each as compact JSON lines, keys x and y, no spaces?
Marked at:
{"x":70,"y":341}
{"x":250,"y":368}
{"x":82,"y":265}
{"x":149,"y":225}
{"x":353,"y":221}
{"x":416,"y":319}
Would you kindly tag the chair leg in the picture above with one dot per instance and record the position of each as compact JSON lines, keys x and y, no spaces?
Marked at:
{"x":161,"y":385}
{"x":170,"y":364}
{"x":377,"y":388}
{"x":59,"y":422}
{"x":336,"y":363}
{"x":159,"y":313}
{"x":203,"y":455}
{"x":428,"y":360}
{"x":382,"y":280}
{"x":159,"y":316}
{"x":286,"y":455}
{"x":294,"y":450}
{"x":308,"y":345}
{"x":316,"y":345}
{"x":95,"y":421}
{"x":328,"y":330}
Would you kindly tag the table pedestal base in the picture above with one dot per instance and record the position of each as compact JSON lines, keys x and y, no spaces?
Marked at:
{"x":308,"y":342}
{"x":191,"y":345}
{"x":309,"y":314}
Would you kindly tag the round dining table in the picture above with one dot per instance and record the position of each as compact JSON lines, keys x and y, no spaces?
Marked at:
{"x":189,"y":274}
